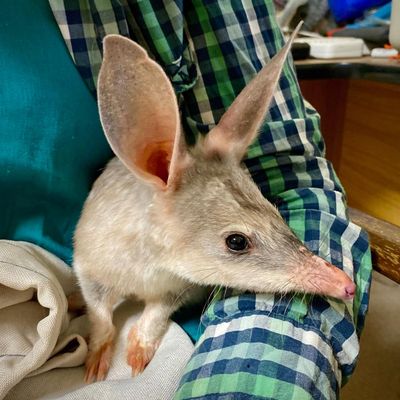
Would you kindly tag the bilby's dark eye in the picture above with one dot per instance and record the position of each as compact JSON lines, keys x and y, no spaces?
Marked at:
{"x":237,"y":243}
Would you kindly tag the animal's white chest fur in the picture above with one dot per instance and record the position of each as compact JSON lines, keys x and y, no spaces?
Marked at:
{"x":110,"y":246}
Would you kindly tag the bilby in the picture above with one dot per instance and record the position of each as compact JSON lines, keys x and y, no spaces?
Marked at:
{"x":164,"y":221}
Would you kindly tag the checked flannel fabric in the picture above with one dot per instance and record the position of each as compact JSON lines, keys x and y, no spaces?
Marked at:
{"x":253,"y":346}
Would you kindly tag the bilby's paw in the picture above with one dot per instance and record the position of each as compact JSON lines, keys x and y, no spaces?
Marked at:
{"x":98,"y":363}
{"x":140,"y":352}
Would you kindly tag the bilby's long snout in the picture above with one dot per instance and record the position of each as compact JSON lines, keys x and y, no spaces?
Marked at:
{"x":324,"y":278}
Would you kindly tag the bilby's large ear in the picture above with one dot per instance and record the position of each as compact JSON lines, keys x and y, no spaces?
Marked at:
{"x":139,"y":112}
{"x":239,"y":125}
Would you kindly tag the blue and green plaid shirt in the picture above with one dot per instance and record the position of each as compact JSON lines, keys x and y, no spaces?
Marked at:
{"x":253,"y":346}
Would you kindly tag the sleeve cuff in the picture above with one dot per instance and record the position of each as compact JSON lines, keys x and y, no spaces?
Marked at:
{"x":260,"y":346}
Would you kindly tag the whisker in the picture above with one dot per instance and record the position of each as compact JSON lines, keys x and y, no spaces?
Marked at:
{"x":311,"y":310}
{"x":187,"y":288}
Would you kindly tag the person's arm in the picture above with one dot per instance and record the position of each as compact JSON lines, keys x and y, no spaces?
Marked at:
{"x":292,"y":347}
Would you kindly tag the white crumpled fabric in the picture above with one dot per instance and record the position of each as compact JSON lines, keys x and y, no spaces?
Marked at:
{"x":43,"y":347}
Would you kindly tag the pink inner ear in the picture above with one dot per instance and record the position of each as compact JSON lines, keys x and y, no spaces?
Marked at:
{"x":156,"y":158}
{"x":157,"y":164}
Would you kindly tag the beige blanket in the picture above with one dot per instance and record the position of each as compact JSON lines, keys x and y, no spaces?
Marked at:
{"x":43,"y":347}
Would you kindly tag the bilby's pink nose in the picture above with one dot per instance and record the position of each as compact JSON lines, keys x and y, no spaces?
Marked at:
{"x":350,"y":290}
{"x":330,"y":280}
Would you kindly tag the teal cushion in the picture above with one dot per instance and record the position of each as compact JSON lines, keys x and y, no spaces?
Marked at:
{"x":52,"y":145}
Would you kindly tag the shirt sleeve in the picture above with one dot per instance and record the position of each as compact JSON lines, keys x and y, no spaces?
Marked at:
{"x":265,"y":346}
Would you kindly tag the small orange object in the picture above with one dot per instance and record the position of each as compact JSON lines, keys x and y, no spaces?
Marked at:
{"x":388,"y":46}
{"x":332,"y":31}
